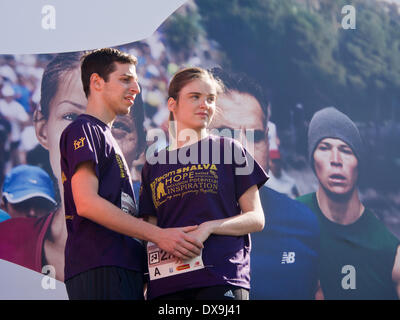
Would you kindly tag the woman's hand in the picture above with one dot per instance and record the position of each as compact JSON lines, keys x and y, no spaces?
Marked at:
{"x":203,"y":231}
{"x":201,"y":234}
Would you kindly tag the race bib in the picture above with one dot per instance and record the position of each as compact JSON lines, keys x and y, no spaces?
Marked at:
{"x":129,"y":207}
{"x":162,"y":264}
{"x":127,"y":204}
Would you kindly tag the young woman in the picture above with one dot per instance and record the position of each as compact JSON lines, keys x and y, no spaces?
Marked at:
{"x":198,"y":181}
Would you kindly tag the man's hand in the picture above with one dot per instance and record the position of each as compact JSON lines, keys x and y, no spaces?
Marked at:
{"x":90,"y":205}
{"x":179,"y":242}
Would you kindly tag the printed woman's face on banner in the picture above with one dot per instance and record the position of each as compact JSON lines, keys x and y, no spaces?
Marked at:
{"x":67,"y":104}
{"x":336,"y":166}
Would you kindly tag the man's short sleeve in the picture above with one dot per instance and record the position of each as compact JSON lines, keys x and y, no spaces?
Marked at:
{"x":79,"y":143}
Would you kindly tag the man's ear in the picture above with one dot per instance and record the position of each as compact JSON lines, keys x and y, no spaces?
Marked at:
{"x":96,"y":82}
{"x":41,"y":128}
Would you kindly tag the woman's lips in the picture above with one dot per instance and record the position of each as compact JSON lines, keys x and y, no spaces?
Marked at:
{"x":202,"y":114}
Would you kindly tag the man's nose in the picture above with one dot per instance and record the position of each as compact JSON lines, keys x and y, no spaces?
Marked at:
{"x":31,"y":212}
{"x":336,"y":158}
{"x":135,"y":88}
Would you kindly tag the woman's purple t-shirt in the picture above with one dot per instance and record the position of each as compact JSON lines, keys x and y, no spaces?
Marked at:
{"x":90,"y":245}
{"x":183,"y":193}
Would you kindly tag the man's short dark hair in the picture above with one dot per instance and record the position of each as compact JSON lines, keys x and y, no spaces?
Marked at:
{"x":242,"y":83}
{"x":102,"y":62}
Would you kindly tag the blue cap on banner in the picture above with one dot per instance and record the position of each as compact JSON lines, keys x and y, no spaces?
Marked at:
{"x":25,"y":182}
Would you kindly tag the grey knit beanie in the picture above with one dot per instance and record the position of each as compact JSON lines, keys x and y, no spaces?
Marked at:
{"x":331,"y":123}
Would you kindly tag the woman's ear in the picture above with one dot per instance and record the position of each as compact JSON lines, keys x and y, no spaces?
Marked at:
{"x":41,"y":128}
{"x":171,"y":104}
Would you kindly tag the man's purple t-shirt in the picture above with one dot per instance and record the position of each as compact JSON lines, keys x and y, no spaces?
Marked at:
{"x":90,"y":245}
{"x":184,"y":193}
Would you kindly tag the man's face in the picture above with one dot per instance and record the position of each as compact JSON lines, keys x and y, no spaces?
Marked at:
{"x":121,"y":88}
{"x":67,"y":104}
{"x":336,"y":166}
{"x":237,"y":110}
{"x":34,"y":207}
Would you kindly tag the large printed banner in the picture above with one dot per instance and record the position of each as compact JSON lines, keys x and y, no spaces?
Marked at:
{"x":312,"y":90}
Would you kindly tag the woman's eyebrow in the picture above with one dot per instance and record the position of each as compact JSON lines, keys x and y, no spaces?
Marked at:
{"x":193,"y":92}
{"x":78,"y":105}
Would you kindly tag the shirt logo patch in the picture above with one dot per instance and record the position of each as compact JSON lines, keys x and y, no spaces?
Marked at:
{"x":288,"y":257}
{"x":191,"y":179}
{"x":160,"y":190}
{"x":79,"y":143}
{"x":63,"y":177}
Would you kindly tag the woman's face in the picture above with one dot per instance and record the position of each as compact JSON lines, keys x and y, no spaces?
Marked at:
{"x":196,"y":104}
{"x":65,"y":106}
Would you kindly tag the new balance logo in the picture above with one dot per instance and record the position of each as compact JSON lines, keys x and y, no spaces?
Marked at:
{"x":288,"y":257}
{"x":229,"y":294}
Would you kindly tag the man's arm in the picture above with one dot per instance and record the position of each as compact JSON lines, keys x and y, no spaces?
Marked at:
{"x":396,"y":272}
{"x":90,"y":205}
{"x":250,"y":220}
{"x":151,"y":219}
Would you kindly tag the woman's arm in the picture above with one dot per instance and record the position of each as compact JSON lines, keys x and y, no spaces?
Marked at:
{"x":250,"y":220}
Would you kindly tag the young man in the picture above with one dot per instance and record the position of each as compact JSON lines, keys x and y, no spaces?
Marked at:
{"x":102,"y":258}
{"x":360,"y":258}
